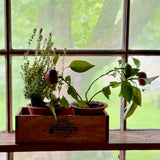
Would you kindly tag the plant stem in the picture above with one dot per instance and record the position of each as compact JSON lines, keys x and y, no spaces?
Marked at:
{"x":72,"y":87}
{"x":94,"y":96}
{"x":86,"y":94}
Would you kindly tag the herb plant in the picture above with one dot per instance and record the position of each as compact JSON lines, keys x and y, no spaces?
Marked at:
{"x":33,"y":73}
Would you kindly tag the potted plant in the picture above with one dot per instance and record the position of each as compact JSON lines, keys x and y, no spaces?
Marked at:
{"x":128,"y":75}
{"x":41,"y":78}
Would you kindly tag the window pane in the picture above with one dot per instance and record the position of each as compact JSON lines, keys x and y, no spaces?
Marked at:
{"x":143,"y":155}
{"x":144,"y":24}
{"x":18,"y":98}
{"x":78,"y":155}
{"x":75,"y":24}
{"x":2,"y":95}
{"x":2,"y":25}
{"x":81,"y":82}
{"x":3,"y":156}
{"x":147,"y":116}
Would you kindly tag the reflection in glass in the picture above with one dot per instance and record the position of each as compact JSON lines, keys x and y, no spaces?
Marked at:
{"x":144,"y":24}
{"x":85,"y":24}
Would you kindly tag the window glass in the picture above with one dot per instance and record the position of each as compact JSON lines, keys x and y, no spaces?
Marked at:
{"x":79,"y":155}
{"x":75,"y":24}
{"x":2,"y":95}
{"x":2,"y":25}
{"x":80,"y":81}
{"x":143,"y":155}
{"x":144,"y":24}
{"x":3,"y":156}
{"x":147,"y":116}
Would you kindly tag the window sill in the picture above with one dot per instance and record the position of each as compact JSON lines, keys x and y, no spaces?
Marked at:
{"x":118,"y":140}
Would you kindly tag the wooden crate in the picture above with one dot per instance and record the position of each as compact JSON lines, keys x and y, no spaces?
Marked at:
{"x":67,"y":129}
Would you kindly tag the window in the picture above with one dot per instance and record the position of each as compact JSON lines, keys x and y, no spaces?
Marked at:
{"x":101,"y":31}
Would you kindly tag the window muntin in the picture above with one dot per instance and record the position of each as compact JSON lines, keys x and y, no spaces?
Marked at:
{"x":2,"y":95}
{"x":2,"y":25}
{"x":86,"y":24}
{"x":144,"y":25}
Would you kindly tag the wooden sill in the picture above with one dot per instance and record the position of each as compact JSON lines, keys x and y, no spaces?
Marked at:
{"x":118,"y":140}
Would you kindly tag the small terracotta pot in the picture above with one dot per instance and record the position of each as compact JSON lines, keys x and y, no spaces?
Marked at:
{"x":96,"y":108}
{"x":42,"y":111}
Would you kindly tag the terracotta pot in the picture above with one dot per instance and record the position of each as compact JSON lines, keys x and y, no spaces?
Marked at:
{"x":42,"y":111}
{"x":96,"y":107}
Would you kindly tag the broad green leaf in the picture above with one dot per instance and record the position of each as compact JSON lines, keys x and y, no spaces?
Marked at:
{"x":64,"y":102}
{"x":80,"y":66}
{"x":106,"y":91}
{"x":55,"y":59}
{"x":71,"y":91}
{"x":51,"y":105}
{"x":68,"y":79}
{"x":114,"y":74}
{"x":82,"y":104}
{"x":126,"y":91}
{"x":136,"y":95}
{"x":134,"y":71}
{"x":136,"y":62}
{"x":114,"y":84}
{"x":149,"y":80}
{"x":120,"y":61}
{"x":130,"y":110}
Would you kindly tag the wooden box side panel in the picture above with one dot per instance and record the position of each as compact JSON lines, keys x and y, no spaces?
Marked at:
{"x":67,"y":129}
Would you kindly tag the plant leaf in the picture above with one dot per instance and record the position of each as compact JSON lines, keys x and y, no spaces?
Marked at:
{"x":68,"y":79}
{"x":120,"y":61}
{"x":80,"y":66}
{"x":82,"y":104}
{"x":126,"y":91}
{"x":55,"y":59}
{"x":51,"y":105}
{"x":134,"y":71}
{"x":64,"y":102}
{"x":130,"y":110}
{"x":136,"y":95}
{"x":149,"y":80}
{"x":106,"y":91}
{"x":136,"y":62}
{"x":71,"y":91}
{"x":114,"y":84}
{"x":114,"y":74}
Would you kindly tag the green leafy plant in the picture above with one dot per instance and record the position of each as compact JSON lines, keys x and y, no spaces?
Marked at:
{"x":33,"y":70}
{"x":129,"y":90}
{"x":41,"y":77}
{"x":53,"y":76}
{"x":43,"y":80}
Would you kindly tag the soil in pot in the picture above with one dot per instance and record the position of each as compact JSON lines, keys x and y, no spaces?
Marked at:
{"x":96,"y":108}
